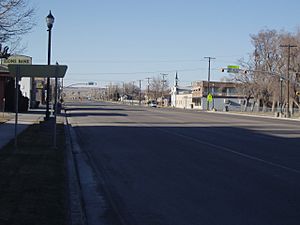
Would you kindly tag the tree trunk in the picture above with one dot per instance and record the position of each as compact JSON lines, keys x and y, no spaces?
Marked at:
{"x":291,"y":105}
{"x":246,"y":105}
{"x":273,"y":106}
{"x":253,"y":105}
{"x":264,"y":109}
{"x":257,"y":105}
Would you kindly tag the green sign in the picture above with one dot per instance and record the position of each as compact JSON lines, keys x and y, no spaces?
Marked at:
{"x":233,"y":69}
{"x":209,"y":97}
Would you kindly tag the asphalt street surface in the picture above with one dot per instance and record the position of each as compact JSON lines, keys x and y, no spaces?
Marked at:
{"x":177,"y":167}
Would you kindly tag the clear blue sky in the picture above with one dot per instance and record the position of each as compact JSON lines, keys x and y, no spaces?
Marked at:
{"x":122,"y":40}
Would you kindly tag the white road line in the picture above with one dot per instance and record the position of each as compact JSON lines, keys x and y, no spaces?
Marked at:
{"x":233,"y":152}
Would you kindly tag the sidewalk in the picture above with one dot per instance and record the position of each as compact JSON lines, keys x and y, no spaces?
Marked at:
{"x":269,"y":115}
{"x":7,"y":129}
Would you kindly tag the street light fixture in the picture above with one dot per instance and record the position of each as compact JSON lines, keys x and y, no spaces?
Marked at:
{"x":50,"y":22}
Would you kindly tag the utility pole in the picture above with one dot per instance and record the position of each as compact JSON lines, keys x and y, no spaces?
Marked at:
{"x":163,"y":87}
{"x":281,"y":102}
{"x":289,"y":46}
{"x":123,"y":90}
{"x":208,"y":80}
{"x":148,"y":87}
{"x":132,"y":93}
{"x":140,"y":94}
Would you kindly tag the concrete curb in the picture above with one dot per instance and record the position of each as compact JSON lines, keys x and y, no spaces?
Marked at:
{"x":76,"y":215}
{"x":86,"y":204}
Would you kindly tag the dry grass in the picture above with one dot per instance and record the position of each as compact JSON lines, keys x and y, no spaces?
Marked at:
{"x":32,"y":183}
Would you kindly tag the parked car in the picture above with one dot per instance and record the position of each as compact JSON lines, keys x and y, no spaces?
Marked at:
{"x":152,"y":104}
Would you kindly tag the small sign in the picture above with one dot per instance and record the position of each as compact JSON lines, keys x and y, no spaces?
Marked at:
{"x":209,"y":97}
{"x":17,"y":59}
{"x":233,"y":69}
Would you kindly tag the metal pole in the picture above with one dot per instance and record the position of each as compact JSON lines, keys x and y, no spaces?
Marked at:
{"x":17,"y":105}
{"x":208,"y":81}
{"x":288,"y":83}
{"x":132,"y":93}
{"x":163,"y":87}
{"x":148,"y":88}
{"x":48,"y":78}
{"x":62,"y":88}
{"x":55,"y":111}
{"x":213,"y":94}
{"x":289,"y":46}
{"x":281,"y":103}
{"x":140,"y":97}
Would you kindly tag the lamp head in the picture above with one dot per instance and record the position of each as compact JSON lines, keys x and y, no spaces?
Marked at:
{"x":50,"y":20}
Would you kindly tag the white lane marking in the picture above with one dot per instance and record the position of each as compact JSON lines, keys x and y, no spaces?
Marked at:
{"x":233,"y":152}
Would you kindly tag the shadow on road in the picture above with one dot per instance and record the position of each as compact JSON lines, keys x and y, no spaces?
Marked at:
{"x":94,"y":108}
{"x":83,"y":114}
{"x":195,"y":173}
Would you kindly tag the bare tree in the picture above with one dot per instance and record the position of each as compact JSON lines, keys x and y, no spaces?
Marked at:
{"x":267,"y":63}
{"x":16,"y":19}
{"x":265,"y":68}
{"x":294,"y":67}
{"x":157,"y":86}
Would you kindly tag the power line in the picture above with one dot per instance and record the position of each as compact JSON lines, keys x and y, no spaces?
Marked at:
{"x":112,"y":61}
{"x":139,"y":72}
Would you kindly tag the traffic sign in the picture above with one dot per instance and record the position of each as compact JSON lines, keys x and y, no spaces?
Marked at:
{"x":209,"y":97}
{"x":233,"y":69}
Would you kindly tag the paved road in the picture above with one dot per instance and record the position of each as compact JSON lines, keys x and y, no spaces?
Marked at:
{"x":175,"y":167}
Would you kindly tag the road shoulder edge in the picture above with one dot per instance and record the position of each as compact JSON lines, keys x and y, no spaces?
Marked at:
{"x":76,"y":215}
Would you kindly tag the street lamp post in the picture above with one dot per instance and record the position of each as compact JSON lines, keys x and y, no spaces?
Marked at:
{"x":49,"y":21}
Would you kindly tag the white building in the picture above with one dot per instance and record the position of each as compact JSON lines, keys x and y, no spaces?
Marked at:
{"x":182,"y":98}
{"x":223,"y":96}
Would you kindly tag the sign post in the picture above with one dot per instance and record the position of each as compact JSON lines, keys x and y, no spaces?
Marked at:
{"x":17,"y":105}
{"x":209,"y":98}
{"x":55,"y":109}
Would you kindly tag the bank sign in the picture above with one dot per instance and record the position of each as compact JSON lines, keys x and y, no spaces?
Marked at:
{"x":17,"y":59}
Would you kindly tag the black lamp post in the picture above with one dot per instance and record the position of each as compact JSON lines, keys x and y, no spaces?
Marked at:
{"x":50,"y":21}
